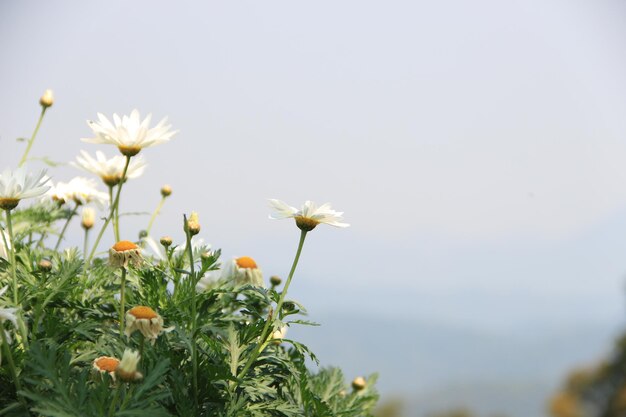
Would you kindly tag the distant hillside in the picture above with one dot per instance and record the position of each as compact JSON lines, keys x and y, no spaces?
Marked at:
{"x":438,"y":366}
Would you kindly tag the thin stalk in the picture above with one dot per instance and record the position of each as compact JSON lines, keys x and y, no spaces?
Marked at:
{"x":111,"y":205}
{"x":85,"y":242}
{"x":122,"y":295}
{"x":266,"y":329}
{"x":32,"y":138}
{"x":67,"y":223}
{"x":194,"y":319}
{"x":16,"y":381}
{"x":111,"y":213}
{"x":12,"y":255}
{"x":156,"y":213}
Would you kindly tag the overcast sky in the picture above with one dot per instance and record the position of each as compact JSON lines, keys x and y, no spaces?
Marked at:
{"x":477,"y":148}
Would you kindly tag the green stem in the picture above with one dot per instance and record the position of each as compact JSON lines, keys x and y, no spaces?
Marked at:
{"x":67,"y":223}
{"x":194,"y":320}
{"x":113,"y":406}
{"x":12,"y":255}
{"x":266,"y":329}
{"x":156,"y":213}
{"x":32,"y":138}
{"x":85,"y":243}
{"x":122,"y":295}
{"x":111,"y":205}
{"x":9,"y":355}
{"x":110,"y":216}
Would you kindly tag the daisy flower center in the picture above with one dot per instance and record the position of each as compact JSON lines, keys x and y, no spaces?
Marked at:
{"x":9,"y":203}
{"x":246,"y":262}
{"x":124,"y":245}
{"x":107,"y":364}
{"x":306,"y":223}
{"x":129,"y":150}
{"x":143,"y":312}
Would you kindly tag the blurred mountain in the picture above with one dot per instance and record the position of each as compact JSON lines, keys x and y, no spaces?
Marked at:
{"x":438,"y":366}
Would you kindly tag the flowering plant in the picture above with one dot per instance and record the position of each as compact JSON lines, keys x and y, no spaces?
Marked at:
{"x":74,"y":325}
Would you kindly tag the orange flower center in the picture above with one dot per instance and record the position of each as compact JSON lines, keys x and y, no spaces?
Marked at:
{"x":124,"y":245}
{"x":143,"y":312}
{"x":107,"y":364}
{"x":246,"y":262}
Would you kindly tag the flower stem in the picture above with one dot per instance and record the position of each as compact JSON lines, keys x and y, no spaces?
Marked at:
{"x":111,"y":205}
{"x":267,"y":331}
{"x":122,"y":296}
{"x":86,"y":242}
{"x":111,"y":213}
{"x":156,"y":213}
{"x":194,"y":319}
{"x":67,"y":223}
{"x":12,"y":255}
{"x":32,"y":138}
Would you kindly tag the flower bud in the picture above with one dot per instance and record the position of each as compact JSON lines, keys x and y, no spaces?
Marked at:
{"x":358,"y":383}
{"x":47,"y":99}
{"x":45,"y":265}
{"x":88,"y":218}
{"x":193,"y":224}
{"x":166,"y":241}
{"x":275,"y":280}
{"x":143,"y":234}
{"x":166,"y":191}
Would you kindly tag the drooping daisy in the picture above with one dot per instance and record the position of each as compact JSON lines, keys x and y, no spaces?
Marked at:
{"x":18,"y":185}
{"x":106,"y":364}
{"x":129,"y":133}
{"x":7,"y":314}
{"x":79,"y":190}
{"x":124,"y":253}
{"x":147,"y":321}
{"x":127,"y":368}
{"x":309,"y":216}
{"x":109,"y":170}
{"x":243,"y":270}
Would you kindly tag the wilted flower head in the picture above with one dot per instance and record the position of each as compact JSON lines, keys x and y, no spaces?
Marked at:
{"x":127,"y":368}
{"x":47,"y":99}
{"x":79,"y":190}
{"x":129,"y":133}
{"x":106,"y":364}
{"x":243,"y":270}
{"x":124,"y":253}
{"x":309,"y":216}
{"x":110,"y":170}
{"x":88,"y":218}
{"x":18,"y":185}
{"x":147,"y":321}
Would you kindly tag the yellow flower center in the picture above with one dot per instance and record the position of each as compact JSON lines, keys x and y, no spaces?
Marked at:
{"x":143,"y":312}
{"x":306,"y":223}
{"x":246,"y":262}
{"x":124,"y":245}
{"x":107,"y":364}
{"x":111,"y":180}
{"x":129,"y":150}
{"x":9,"y":203}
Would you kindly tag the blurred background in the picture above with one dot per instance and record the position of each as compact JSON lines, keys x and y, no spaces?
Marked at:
{"x":477,"y":148}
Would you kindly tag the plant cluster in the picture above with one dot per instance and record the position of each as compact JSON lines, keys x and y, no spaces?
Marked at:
{"x":179,"y":332}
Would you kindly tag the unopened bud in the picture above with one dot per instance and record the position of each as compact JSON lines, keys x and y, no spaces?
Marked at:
{"x":47,"y":99}
{"x":358,"y":383}
{"x":45,"y":265}
{"x":143,"y":234}
{"x":206,"y":255}
{"x":88,"y":218}
{"x":193,"y":224}
{"x":166,"y":191}
{"x":275,"y":280}
{"x":166,"y":241}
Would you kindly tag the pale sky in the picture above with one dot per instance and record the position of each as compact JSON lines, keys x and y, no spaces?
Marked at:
{"x":477,"y":148}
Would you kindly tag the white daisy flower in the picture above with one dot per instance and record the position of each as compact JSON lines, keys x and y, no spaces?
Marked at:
{"x":126,"y":370}
{"x":147,"y":321}
{"x":243,"y":270}
{"x":129,"y":133}
{"x":80,"y":190}
{"x":109,"y":170}
{"x":309,"y":216}
{"x":18,"y":185}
